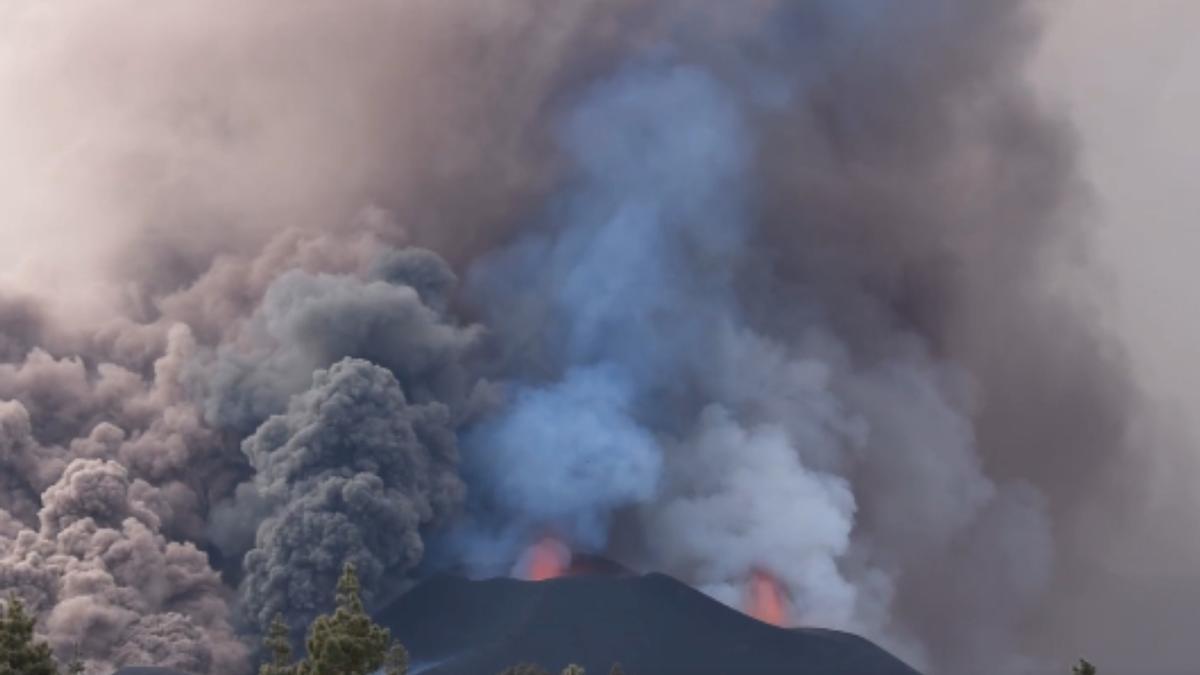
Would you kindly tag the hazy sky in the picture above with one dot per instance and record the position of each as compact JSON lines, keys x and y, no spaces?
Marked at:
{"x":1129,"y":75}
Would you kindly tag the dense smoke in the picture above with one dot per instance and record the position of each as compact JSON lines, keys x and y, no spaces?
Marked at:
{"x":306,"y":322}
{"x":745,"y":287}
{"x":351,"y":473}
{"x":109,"y":586}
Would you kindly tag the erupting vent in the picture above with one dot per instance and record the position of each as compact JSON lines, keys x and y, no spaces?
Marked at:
{"x":549,"y":558}
{"x":765,"y":599}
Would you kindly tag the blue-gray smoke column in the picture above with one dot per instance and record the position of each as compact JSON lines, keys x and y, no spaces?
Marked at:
{"x":655,"y":405}
{"x":623,"y":293}
{"x":658,"y":397}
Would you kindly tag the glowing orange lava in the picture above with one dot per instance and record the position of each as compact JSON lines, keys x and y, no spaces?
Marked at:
{"x":765,"y":599}
{"x":547,"y":559}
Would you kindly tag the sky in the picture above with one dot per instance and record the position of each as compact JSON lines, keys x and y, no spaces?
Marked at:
{"x":1127,"y":75}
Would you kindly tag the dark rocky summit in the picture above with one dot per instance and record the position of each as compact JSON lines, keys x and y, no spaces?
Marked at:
{"x":652,"y":625}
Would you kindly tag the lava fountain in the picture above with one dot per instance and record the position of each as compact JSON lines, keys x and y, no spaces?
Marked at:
{"x":549,"y":558}
{"x":765,"y":599}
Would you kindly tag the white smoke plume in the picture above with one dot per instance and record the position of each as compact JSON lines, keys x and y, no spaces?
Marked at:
{"x":746,"y":286}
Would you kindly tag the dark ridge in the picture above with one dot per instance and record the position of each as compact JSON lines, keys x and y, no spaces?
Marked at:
{"x":652,"y":625}
{"x":583,"y":564}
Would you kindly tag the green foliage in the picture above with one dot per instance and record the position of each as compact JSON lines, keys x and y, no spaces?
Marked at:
{"x":1084,"y":668}
{"x":279,"y":644}
{"x":20,"y":654}
{"x":396,"y":662}
{"x":573,"y":670}
{"x":346,"y":642}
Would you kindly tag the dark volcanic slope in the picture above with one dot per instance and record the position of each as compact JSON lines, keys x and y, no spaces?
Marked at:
{"x":653,"y":625}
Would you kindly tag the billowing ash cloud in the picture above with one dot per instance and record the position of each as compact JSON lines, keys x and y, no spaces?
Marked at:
{"x":747,"y":287}
{"x":62,"y":408}
{"x":306,"y":322}
{"x":28,"y":468}
{"x":109,"y":585}
{"x":352,"y":472}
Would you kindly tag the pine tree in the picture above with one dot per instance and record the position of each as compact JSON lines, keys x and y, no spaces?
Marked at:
{"x":1084,"y":668}
{"x":20,"y":654}
{"x":278,"y":643}
{"x":346,"y":642}
{"x":397,"y":660}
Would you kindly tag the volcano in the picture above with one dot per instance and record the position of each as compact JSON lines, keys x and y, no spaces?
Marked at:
{"x":651,"y":625}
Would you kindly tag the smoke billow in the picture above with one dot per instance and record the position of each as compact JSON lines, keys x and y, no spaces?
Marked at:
{"x":107,"y":583}
{"x":306,"y":322}
{"x":352,"y":472}
{"x":745,"y":287}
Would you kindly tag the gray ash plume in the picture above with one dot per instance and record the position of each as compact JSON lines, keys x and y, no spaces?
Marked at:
{"x":352,"y":472}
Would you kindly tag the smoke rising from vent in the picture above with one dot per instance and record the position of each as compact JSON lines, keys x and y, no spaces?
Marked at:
{"x":746,"y":289}
{"x":351,"y":473}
